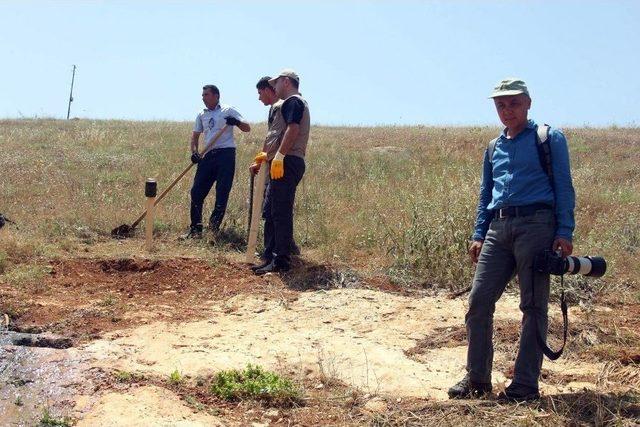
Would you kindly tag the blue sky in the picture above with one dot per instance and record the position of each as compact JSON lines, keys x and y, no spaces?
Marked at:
{"x":360,"y":62}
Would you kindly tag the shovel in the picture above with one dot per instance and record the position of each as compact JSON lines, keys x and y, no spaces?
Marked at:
{"x":125,"y":230}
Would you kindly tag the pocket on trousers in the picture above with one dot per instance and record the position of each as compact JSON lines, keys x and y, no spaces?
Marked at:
{"x":543,"y":217}
{"x":496,"y":224}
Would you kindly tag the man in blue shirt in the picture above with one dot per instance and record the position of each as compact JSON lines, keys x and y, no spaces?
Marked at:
{"x":218,"y":163}
{"x":522,"y":210}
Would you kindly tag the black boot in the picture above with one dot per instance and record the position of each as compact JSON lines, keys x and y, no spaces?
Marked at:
{"x":272,"y":267}
{"x":263,"y":264}
{"x":519,"y":393}
{"x":467,"y":389}
{"x":295,"y":250}
{"x":195,"y":232}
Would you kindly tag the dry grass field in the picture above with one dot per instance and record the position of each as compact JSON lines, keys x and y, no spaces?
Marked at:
{"x":394,"y":200}
{"x":385,"y":211}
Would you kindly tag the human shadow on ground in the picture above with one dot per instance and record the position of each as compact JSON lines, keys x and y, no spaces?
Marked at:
{"x":228,"y":238}
{"x":308,"y":275}
{"x":593,"y":408}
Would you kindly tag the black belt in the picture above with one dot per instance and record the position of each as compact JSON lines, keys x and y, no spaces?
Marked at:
{"x":525,"y":210}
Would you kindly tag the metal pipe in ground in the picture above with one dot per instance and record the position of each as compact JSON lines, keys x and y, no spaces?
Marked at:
{"x":150,"y":192}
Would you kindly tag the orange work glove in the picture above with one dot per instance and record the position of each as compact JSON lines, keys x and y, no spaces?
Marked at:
{"x":260,"y":157}
{"x":277,"y":166}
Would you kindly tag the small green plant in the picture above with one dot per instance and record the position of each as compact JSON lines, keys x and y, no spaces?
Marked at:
{"x":255,"y":383}
{"x":4,"y":262}
{"x":18,"y":401}
{"x":175,"y":377}
{"x":123,"y":376}
{"x":108,"y":301}
{"x":193,"y":402}
{"x":48,"y":421}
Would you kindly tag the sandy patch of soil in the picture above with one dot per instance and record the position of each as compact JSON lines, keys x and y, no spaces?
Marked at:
{"x":142,"y":406}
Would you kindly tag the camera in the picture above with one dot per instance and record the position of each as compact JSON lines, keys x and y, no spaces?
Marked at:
{"x":551,"y":263}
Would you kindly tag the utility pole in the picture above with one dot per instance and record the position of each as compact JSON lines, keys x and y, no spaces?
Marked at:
{"x":73,"y":76}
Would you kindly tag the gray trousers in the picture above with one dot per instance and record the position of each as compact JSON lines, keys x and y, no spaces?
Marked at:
{"x":509,"y":249}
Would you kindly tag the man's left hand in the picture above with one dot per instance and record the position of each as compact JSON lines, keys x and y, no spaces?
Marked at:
{"x":564,"y":245}
{"x":232,"y":121}
{"x":277,"y":166}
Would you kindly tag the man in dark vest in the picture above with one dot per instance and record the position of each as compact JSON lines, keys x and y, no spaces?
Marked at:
{"x":284,"y":153}
{"x":276,"y":127}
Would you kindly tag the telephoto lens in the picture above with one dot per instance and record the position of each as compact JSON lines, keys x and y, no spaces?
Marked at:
{"x":549,"y":262}
{"x":592,"y":266}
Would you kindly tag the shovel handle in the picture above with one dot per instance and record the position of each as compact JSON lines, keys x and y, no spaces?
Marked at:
{"x":184,"y":172}
{"x":252,"y":179}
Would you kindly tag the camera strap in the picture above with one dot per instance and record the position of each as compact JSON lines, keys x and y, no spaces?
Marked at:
{"x":553,"y":355}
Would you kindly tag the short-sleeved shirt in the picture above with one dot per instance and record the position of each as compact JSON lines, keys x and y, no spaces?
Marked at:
{"x":211,"y":121}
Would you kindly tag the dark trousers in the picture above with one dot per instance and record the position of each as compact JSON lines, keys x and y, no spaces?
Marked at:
{"x":509,"y":248}
{"x":278,"y":211}
{"x":217,"y":166}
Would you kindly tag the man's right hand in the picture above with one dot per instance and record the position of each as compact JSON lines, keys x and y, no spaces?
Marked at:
{"x":474,"y":250}
{"x":254,"y":168}
{"x":195,"y":157}
{"x":260,"y":157}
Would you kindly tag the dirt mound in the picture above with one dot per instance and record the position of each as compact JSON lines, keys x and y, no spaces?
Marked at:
{"x":82,"y":298}
{"x":128,"y":264}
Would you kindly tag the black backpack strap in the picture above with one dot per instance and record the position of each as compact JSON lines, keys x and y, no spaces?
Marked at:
{"x":543,"y":144}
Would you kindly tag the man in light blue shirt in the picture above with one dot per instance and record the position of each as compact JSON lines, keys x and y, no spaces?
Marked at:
{"x":217,"y":164}
{"x":525,"y":207}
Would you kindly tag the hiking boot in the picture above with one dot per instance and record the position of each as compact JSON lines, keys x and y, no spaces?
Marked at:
{"x":467,"y":389}
{"x":519,"y":393}
{"x":214,"y":226}
{"x":265,"y":262}
{"x":272,"y":267}
{"x":195,"y":232}
{"x":295,"y":250}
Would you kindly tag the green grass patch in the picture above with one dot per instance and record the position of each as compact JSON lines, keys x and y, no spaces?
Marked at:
{"x":49,"y":421}
{"x":108,"y":301}
{"x":25,"y":274}
{"x":256,"y":384}
{"x":123,"y":376}
{"x":4,"y":262}
{"x":175,"y":377}
{"x":127,"y":377}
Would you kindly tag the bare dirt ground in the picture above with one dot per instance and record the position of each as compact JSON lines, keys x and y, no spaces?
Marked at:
{"x":364,"y":350}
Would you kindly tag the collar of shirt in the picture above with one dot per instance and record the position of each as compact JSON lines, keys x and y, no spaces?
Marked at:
{"x":530,"y":125}
{"x":218,"y":107}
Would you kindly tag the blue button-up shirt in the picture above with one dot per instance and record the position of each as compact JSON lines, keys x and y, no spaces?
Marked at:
{"x":516,"y":178}
{"x":211,"y":121}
